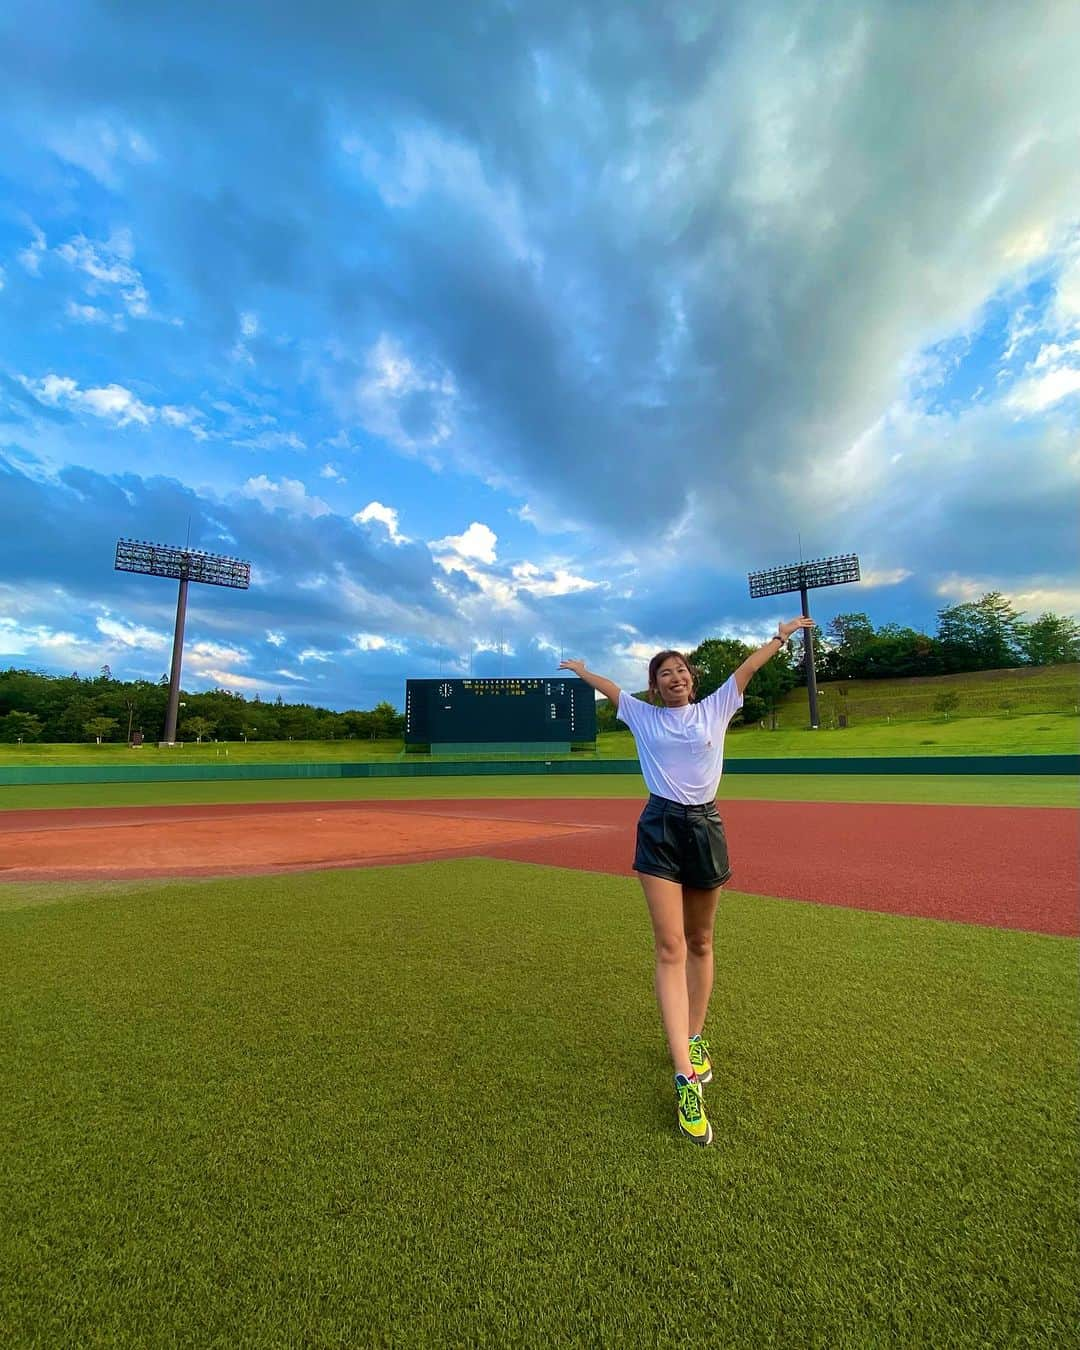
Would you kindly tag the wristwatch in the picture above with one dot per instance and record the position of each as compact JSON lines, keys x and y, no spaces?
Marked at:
{"x":779,"y":637}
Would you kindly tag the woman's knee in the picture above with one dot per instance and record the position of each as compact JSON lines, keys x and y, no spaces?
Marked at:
{"x":670,"y":949}
{"x":699,"y":944}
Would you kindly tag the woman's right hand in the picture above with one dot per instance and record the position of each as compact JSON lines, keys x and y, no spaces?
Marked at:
{"x":578,"y":667}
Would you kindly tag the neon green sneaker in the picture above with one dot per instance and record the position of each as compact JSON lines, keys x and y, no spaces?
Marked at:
{"x":699,"y":1059}
{"x":692,"y":1121}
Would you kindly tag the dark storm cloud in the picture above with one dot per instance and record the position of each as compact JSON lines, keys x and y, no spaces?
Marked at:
{"x":670,"y":266}
{"x":65,"y":532}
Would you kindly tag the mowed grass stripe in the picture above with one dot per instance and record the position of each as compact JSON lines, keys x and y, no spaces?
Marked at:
{"x":973,"y":790}
{"x":431,"y":1105}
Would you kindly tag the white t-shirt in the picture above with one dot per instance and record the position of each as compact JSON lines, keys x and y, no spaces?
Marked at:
{"x":682,"y":749}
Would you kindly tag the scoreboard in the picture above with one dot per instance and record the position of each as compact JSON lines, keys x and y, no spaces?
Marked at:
{"x":558,"y":710}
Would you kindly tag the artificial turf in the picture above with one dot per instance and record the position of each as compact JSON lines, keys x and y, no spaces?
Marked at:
{"x":943,"y":789}
{"x":431,"y":1105}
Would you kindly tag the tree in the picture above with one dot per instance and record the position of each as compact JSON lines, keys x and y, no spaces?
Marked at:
{"x":101,"y":728}
{"x":947,"y":702}
{"x":715,"y":659}
{"x":848,"y":636}
{"x":386,"y":721}
{"x":985,"y":634}
{"x":1051,"y":640}
{"x":767,"y":688}
{"x":1001,"y":632}
{"x":958,"y":634}
{"x":20,"y":726}
{"x":605,"y":717}
{"x":895,"y":652}
{"x":197,"y":727}
{"x":71,"y":722}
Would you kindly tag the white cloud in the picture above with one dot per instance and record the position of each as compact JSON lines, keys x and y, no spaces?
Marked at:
{"x":288,"y":495}
{"x":885,"y":576}
{"x":553,"y":580}
{"x":427,"y":163}
{"x":55,"y":644}
{"x":117,"y":403}
{"x":411,"y":407}
{"x":109,"y":264}
{"x":372,"y":642}
{"x":1039,"y":392}
{"x":3,"y":277}
{"x":386,"y":516}
{"x":477,"y":542}
{"x":249,"y":328}
{"x":86,"y":313}
{"x":272,"y":440}
{"x":329,"y":471}
{"x":1033,"y":595}
{"x":200,"y":655}
{"x":31,"y":255}
{"x":1066,"y":306}
{"x":132,"y":635}
{"x":100,"y":146}
{"x":314,"y":654}
{"x":275,"y":639}
{"x":112,"y":402}
{"x":188,"y":419}
{"x":229,"y":679}
{"x":290,"y":675}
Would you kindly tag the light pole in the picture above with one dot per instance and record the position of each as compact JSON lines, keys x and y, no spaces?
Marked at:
{"x":802,"y":577}
{"x":183,"y":565}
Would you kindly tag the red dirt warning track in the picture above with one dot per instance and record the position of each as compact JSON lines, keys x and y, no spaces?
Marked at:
{"x":999,"y":866}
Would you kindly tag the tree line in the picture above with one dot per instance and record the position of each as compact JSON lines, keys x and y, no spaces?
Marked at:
{"x":984,"y":634}
{"x":35,"y":707}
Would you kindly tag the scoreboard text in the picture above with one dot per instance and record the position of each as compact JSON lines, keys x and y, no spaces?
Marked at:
{"x":490,"y":711}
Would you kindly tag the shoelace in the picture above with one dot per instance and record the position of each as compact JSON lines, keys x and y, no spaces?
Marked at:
{"x":699,"y":1051}
{"x":689,"y":1102}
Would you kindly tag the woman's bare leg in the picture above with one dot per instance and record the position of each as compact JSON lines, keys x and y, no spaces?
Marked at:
{"x":665,"y":901}
{"x":699,"y":917}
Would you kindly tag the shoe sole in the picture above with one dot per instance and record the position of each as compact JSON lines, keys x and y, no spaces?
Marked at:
{"x":705,"y":1077}
{"x":701,"y":1143}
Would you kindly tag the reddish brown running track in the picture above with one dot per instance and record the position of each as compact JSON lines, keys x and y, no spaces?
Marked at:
{"x":1000,"y":866}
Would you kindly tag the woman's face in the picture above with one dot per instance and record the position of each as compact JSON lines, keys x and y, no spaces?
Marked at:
{"x":674,"y":683}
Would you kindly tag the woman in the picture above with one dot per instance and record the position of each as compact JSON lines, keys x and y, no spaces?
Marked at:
{"x":681,"y":856}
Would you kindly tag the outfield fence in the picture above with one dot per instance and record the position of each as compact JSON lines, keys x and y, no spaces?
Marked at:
{"x":15,"y":776}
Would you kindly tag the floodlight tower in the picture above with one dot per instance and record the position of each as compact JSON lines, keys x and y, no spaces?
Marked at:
{"x":184,"y":565}
{"x":801,"y":576}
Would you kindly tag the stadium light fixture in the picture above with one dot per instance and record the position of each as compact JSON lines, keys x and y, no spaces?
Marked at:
{"x":183,"y":565}
{"x":802,"y":577}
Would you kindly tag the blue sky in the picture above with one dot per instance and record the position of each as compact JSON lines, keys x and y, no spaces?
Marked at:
{"x":495,"y":332}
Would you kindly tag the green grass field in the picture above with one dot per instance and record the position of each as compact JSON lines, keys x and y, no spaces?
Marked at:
{"x":975,"y":790}
{"x":1036,"y":733}
{"x":431,"y":1106}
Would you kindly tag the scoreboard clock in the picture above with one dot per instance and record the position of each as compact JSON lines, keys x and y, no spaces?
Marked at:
{"x":520,"y":708}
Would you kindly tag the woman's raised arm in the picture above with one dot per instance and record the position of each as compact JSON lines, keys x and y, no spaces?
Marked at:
{"x":608,"y":688}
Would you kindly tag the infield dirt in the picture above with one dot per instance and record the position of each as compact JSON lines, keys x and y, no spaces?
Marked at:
{"x":997,"y":866}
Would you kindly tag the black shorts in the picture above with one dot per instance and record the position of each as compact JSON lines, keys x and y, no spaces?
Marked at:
{"x":682,"y":843}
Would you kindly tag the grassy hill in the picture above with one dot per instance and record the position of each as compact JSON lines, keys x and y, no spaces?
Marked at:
{"x":982,"y":693}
